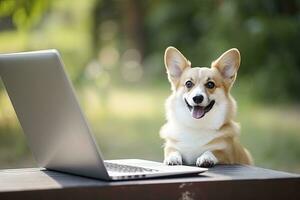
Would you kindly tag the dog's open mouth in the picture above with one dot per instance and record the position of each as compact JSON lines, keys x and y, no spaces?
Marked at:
{"x":199,"y":111}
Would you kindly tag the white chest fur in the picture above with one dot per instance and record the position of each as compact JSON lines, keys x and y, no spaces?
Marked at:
{"x":191,"y":143}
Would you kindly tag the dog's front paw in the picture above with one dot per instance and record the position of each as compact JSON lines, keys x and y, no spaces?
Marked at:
{"x":173,"y":158}
{"x":207,"y":159}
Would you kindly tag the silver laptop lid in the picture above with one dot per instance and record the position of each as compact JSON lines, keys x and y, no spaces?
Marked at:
{"x":49,"y":113}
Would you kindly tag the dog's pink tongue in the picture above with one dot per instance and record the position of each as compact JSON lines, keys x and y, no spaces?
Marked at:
{"x":197,"y":112}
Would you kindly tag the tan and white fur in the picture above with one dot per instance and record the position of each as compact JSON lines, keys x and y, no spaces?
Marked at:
{"x":200,"y":128}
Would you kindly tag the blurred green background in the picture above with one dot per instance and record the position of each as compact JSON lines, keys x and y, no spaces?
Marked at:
{"x":113,"y":52}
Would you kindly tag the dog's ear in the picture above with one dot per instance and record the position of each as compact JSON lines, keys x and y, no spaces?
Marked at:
{"x":228,"y":64}
{"x":175,"y":63}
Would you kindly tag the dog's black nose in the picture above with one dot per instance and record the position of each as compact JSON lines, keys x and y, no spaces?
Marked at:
{"x":198,"y":99}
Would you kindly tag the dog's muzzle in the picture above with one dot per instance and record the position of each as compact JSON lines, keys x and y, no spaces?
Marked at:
{"x":199,"y":111}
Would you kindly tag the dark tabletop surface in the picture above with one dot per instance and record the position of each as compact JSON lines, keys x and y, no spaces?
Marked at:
{"x":38,"y":178}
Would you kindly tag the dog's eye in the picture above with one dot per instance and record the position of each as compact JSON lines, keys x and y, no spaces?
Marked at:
{"x":210,"y":85}
{"x":189,"y":84}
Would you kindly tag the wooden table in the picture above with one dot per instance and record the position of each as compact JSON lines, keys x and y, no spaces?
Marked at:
{"x":220,"y":182}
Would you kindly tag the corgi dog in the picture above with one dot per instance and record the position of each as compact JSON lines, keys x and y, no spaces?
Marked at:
{"x":200,"y":128}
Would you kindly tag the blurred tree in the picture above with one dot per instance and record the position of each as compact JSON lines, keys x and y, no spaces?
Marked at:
{"x":128,"y":15}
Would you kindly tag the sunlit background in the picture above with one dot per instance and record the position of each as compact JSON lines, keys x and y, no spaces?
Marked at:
{"x":113,"y":52}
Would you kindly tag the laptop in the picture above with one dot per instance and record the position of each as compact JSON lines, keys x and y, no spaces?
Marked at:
{"x":55,"y":127}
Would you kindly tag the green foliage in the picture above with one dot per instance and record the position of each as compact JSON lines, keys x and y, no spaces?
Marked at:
{"x":266,"y":32}
{"x":24,"y":13}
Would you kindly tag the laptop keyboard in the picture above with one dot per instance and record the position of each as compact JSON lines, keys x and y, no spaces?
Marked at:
{"x":126,"y":168}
